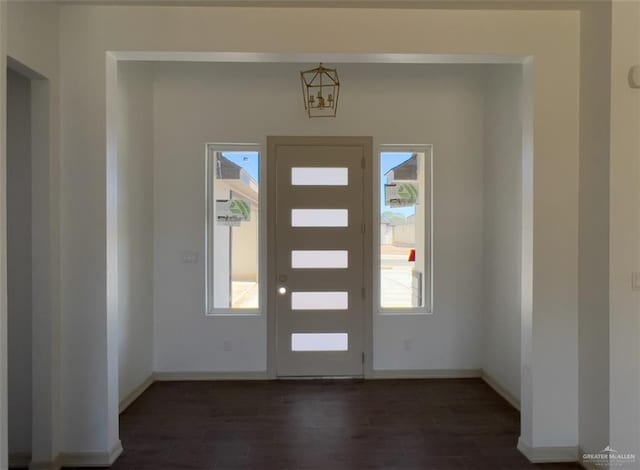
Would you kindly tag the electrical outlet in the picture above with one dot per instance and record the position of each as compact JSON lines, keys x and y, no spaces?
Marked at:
{"x":189,"y":257}
{"x":635,"y":281}
{"x":408,"y":344}
{"x":227,"y":345}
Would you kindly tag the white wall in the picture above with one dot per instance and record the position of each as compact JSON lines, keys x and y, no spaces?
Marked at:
{"x":595,"y":70}
{"x":19,"y":261}
{"x":503,"y":227}
{"x":430,"y":104}
{"x":135,"y":226}
{"x":624,"y":326}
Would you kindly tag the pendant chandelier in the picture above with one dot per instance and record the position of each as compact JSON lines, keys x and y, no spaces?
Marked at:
{"x":320,"y":89}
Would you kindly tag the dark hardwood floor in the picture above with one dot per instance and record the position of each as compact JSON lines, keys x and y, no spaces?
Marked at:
{"x":324,"y":425}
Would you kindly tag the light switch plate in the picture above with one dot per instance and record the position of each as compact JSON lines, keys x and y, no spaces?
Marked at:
{"x":635,"y":281}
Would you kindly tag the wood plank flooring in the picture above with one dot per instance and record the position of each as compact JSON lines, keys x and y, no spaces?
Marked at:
{"x":323,"y":425}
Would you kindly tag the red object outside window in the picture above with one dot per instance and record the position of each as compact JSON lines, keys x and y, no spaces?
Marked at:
{"x":412,"y":256}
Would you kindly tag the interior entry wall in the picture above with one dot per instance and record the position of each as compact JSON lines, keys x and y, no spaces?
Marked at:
{"x":196,"y":103}
{"x":19,"y":272}
{"x":135,"y":227}
{"x":502,"y":280}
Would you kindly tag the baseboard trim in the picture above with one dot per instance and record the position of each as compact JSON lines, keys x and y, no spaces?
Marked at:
{"x":548,"y":454}
{"x":205,"y":376}
{"x":500,"y":390}
{"x":377,"y":374}
{"x":426,"y":373}
{"x":92,"y":459}
{"x":139,"y":390}
{"x":19,"y":460}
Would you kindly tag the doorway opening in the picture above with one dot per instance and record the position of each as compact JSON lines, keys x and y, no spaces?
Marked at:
{"x":32,"y":293}
{"x":19,"y":267}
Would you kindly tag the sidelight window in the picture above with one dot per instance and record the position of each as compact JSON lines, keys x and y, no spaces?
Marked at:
{"x":405,"y":223}
{"x":233,"y":229}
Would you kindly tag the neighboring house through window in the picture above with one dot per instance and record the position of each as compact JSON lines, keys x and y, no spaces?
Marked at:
{"x":233,"y":229}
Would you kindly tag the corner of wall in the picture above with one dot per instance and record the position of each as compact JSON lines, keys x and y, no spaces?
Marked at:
{"x":502,"y":231}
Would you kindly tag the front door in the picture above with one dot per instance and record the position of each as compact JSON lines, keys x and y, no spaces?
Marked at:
{"x":319,"y":197}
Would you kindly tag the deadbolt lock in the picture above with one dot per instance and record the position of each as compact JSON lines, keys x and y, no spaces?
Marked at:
{"x":282,"y":278}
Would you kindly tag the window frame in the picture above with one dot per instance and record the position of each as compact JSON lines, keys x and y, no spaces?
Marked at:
{"x":210,"y":151}
{"x":427,"y":150}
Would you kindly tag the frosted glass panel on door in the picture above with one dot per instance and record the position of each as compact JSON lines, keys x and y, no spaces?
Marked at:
{"x":319,"y":217}
{"x":319,"y":300}
{"x":319,"y":259}
{"x":320,"y":176}
{"x":319,"y":342}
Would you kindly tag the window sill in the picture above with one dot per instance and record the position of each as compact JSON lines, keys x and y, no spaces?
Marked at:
{"x":404,"y":312}
{"x":234,"y":313}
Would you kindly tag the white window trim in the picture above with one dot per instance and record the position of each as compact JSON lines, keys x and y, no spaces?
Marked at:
{"x":427,"y":149}
{"x":210,"y":310}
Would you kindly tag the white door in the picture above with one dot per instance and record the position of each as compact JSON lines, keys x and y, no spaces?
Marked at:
{"x":319,"y":197}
